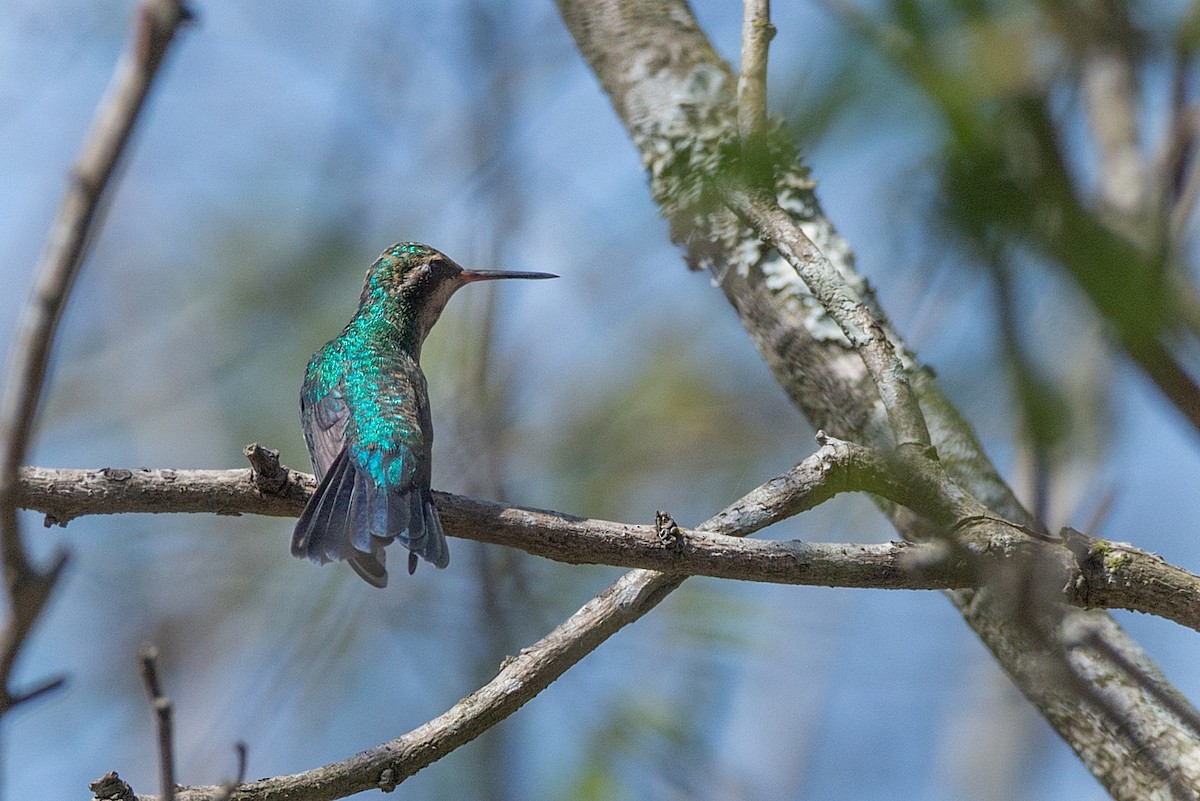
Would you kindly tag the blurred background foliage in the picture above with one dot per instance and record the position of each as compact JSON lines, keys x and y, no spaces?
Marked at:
{"x":288,"y":143}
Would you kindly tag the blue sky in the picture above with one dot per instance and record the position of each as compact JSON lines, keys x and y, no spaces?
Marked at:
{"x":286,"y":144}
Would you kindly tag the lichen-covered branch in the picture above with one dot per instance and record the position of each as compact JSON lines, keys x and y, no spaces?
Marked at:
{"x":866,"y":335}
{"x":673,"y":94}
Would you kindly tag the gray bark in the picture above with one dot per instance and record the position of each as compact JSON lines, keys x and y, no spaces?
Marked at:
{"x":676,"y":98}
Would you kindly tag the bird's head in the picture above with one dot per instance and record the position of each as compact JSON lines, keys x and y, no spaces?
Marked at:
{"x":419,"y":280}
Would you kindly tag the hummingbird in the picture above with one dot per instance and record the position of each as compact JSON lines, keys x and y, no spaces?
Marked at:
{"x":364,"y":408}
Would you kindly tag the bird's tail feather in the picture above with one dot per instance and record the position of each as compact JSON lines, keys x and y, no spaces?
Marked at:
{"x":350,"y":518}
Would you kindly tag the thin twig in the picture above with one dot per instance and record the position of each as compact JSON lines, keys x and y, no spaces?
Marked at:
{"x":148,"y":659}
{"x":227,"y":789}
{"x":757,"y":32}
{"x":28,"y":587}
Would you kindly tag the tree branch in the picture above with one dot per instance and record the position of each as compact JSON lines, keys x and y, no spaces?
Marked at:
{"x":28,"y":587}
{"x":671,"y":90}
{"x":1102,"y":574}
{"x":865,"y":333}
{"x":715,"y":549}
{"x":519,"y":680}
{"x":65,"y":494}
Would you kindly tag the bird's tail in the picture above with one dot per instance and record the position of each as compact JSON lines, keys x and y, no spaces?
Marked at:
{"x":349,"y":518}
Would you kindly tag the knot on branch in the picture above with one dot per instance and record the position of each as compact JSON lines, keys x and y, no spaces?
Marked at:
{"x":111,"y":787}
{"x":268,"y":475}
{"x":668,"y":531}
{"x":1097,"y":560}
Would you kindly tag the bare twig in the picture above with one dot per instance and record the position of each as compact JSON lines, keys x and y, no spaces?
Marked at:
{"x":757,"y":32}
{"x":28,"y":587}
{"x":228,"y":788}
{"x":163,"y":713}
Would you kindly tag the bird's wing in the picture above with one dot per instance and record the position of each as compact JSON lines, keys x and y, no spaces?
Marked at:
{"x":323,"y":415}
{"x":370,"y":436}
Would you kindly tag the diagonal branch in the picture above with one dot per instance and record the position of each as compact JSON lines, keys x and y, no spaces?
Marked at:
{"x":519,"y":680}
{"x":857,"y":322}
{"x":27,"y":586}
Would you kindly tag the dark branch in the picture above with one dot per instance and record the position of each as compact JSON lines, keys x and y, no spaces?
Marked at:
{"x":163,"y":716}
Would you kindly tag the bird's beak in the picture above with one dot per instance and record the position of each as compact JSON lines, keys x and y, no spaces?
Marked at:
{"x":491,"y":275}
